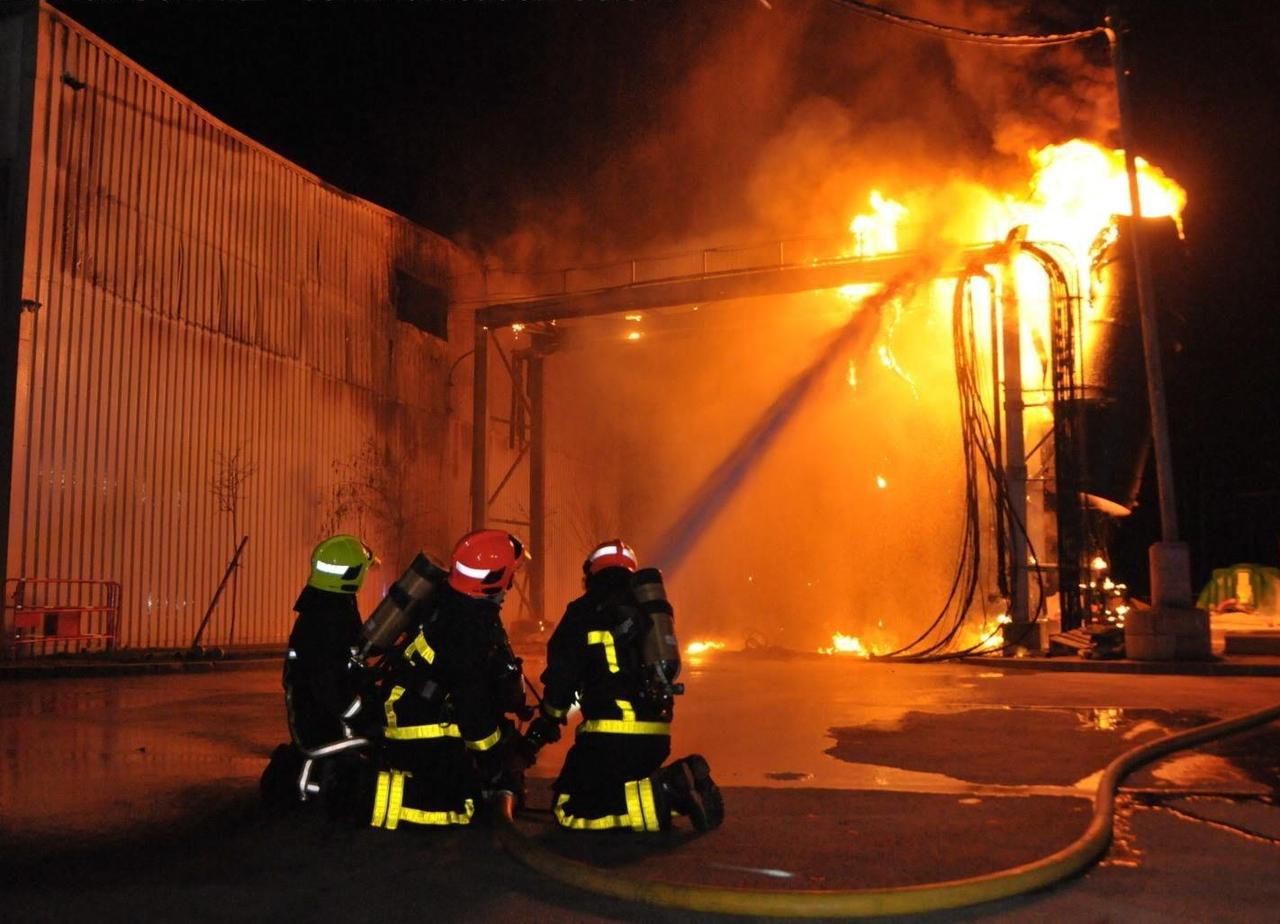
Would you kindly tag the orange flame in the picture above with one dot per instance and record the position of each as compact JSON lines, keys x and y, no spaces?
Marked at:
{"x":876,"y":232}
{"x":846,"y":644}
{"x":702,"y":647}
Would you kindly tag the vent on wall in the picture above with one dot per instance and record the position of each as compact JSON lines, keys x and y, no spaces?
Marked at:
{"x":424,"y":306}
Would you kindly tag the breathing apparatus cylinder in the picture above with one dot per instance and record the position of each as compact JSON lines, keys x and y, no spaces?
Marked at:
{"x":659,"y":650}
{"x":414,"y":588}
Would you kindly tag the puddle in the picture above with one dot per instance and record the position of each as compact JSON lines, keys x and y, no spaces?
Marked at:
{"x":788,"y":775}
{"x":1060,"y":747}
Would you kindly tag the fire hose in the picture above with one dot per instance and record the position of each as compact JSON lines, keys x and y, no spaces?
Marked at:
{"x":863,"y":903}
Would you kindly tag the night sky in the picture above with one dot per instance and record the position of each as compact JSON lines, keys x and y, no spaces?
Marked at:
{"x":475,"y":118}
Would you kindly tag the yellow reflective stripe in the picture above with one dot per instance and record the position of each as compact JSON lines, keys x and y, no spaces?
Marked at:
{"x":422,"y":817}
{"x":483,"y":744}
{"x":605,"y":638}
{"x":649,"y":805}
{"x":397,"y":798}
{"x":419,"y":646}
{"x":566,"y":820}
{"x":621,"y":727}
{"x":634,"y":812}
{"x":553,"y":711}
{"x":628,"y":713}
{"x":380,"y":799}
{"x":419,"y":732}
{"x":390,"y":708}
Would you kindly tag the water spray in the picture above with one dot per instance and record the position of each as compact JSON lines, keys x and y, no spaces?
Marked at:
{"x":711,"y":497}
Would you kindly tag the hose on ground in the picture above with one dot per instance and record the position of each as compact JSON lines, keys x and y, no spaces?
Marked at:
{"x":860,"y":903}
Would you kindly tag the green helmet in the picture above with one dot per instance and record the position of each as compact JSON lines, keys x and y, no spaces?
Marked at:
{"x":339,"y":564}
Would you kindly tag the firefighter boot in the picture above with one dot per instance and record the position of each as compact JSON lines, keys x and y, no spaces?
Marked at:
{"x":689,"y":790}
{"x":278,"y":785}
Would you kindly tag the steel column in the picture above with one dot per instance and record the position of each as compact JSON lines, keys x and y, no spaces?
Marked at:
{"x":1015,"y":446}
{"x":480,"y":428}
{"x":537,"y":488}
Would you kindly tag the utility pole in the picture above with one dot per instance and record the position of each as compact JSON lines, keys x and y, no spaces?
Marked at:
{"x":1169,"y":559}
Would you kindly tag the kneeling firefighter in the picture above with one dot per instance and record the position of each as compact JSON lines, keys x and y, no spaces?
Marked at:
{"x":615,"y":651}
{"x":321,"y":680}
{"x":448,"y":690}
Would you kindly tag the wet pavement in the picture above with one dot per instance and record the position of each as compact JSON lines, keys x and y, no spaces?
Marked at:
{"x":134,"y":797}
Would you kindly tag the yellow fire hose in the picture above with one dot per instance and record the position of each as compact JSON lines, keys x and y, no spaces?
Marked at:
{"x":862,"y":903}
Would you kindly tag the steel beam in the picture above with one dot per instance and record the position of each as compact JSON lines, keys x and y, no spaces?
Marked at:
{"x":698,"y":289}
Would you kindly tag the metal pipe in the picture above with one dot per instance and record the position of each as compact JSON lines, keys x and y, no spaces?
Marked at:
{"x":480,"y":428}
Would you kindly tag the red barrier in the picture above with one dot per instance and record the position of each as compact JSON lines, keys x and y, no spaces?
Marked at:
{"x":56,"y":615}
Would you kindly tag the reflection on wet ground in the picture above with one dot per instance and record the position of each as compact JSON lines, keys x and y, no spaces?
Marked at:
{"x":1065,"y":749}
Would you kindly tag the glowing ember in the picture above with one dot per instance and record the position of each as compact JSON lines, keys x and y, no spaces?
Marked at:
{"x":877,"y":232}
{"x":701,"y":647}
{"x":1099,"y":563}
{"x":881,"y":483}
{"x":845,"y":644}
{"x":632,"y":317}
{"x":853,"y":374}
{"x":516,"y":328}
{"x":634,"y":335}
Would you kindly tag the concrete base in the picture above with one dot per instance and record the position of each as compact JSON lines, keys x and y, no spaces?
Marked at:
{"x":1027,"y":637}
{"x":1167,"y":633}
{"x":1170,"y":564}
{"x":1265,"y":642}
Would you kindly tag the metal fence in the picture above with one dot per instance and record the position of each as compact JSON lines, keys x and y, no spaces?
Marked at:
{"x":209,"y":348}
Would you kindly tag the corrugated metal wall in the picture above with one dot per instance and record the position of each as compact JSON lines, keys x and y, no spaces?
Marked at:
{"x":202,"y":300}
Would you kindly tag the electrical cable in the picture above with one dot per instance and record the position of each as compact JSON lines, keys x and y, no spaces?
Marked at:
{"x":862,"y":903}
{"x":958,"y":34}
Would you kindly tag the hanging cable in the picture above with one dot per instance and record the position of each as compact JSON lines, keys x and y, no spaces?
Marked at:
{"x":958,"y":34}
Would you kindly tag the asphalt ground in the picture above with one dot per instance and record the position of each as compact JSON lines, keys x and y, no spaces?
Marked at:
{"x":133,"y":798}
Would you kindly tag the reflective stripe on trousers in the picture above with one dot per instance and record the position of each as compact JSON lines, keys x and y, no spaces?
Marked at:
{"x":389,"y":808}
{"x":642,"y":811}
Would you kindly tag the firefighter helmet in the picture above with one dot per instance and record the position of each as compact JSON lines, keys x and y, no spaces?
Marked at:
{"x":612,"y":554}
{"x":339,"y":564}
{"x":485,"y":563}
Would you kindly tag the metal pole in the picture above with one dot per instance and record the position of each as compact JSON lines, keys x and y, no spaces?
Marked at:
{"x":1146,"y":300}
{"x":1170,"y":565}
{"x":537,"y":489}
{"x":1014,"y":443}
{"x":480,"y":427}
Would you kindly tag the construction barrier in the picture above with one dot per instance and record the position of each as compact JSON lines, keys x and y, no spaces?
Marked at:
{"x":59,"y":615}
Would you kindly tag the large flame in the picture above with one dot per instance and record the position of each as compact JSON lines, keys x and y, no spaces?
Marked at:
{"x":1078,"y":186}
{"x":1071,"y":194}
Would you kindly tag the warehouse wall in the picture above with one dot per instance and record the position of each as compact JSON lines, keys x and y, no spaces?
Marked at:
{"x":201,"y":315}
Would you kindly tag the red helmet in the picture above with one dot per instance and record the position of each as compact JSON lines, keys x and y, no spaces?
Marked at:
{"x":612,"y":554}
{"x":485,"y":563}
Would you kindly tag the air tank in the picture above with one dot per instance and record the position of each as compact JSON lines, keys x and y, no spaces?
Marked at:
{"x":391,"y":617}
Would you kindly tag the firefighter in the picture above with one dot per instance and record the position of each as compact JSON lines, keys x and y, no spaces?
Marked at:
{"x":447,"y":693}
{"x":613,"y":775}
{"x":321,"y":679}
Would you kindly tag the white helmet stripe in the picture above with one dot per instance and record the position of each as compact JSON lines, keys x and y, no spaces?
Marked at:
{"x":613,"y":550}
{"x":328,"y":568}
{"x":469,"y":571}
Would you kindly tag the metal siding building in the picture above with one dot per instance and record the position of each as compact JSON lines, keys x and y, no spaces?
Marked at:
{"x":196,"y":310}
